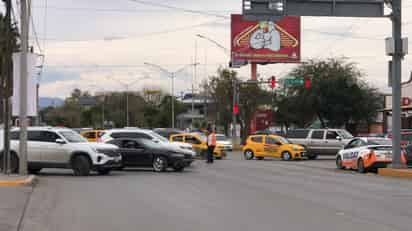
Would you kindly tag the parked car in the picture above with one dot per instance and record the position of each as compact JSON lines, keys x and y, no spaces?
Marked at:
{"x":92,"y":135}
{"x":365,"y":154}
{"x":199,"y":143}
{"x":146,"y":153}
{"x":261,"y":146}
{"x":408,"y":155}
{"x":50,"y":147}
{"x":167,"y":132}
{"x":137,"y":133}
{"x":320,"y":141}
{"x":225,"y":142}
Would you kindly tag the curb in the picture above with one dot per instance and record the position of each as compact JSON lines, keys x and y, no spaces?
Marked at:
{"x":399,"y":173}
{"x":30,"y":180}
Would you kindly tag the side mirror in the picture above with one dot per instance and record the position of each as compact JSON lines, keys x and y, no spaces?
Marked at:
{"x":339,"y":138}
{"x":60,"y":141}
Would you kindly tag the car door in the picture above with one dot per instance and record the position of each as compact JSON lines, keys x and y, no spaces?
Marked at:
{"x":333,"y":142}
{"x":257,"y":143}
{"x":350,"y":153}
{"x":317,"y":142}
{"x":132,"y":153}
{"x":33,"y":150}
{"x":272,"y":146}
{"x":53,"y":152}
{"x":195,"y":142}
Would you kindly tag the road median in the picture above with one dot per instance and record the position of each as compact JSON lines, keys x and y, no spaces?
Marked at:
{"x":399,"y":173}
{"x":15,"y":181}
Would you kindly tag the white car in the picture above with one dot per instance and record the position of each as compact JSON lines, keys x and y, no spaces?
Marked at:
{"x":50,"y":147}
{"x":226,"y":144}
{"x":365,"y":154}
{"x":146,"y":134}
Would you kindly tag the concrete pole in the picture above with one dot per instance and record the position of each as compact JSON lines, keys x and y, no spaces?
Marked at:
{"x":233,"y":113}
{"x":172,"y":98}
{"x":103,"y":117}
{"x":396,"y":82}
{"x":23,"y":86}
{"x":127,"y":106}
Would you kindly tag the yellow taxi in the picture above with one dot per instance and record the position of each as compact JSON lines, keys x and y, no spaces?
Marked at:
{"x":261,"y":146}
{"x":92,"y":135}
{"x":199,"y":143}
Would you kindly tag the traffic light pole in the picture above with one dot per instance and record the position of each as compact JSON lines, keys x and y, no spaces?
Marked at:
{"x":234,"y":121}
{"x":396,"y":82}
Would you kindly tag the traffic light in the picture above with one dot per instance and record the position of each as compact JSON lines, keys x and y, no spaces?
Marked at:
{"x":273,"y":82}
{"x":236,"y":109}
{"x":307,"y":82}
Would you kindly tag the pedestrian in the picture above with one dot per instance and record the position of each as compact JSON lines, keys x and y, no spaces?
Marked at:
{"x":211,"y":144}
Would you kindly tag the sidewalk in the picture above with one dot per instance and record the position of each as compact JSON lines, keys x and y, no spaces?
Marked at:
{"x":15,"y":180}
{"x":12,"y":205}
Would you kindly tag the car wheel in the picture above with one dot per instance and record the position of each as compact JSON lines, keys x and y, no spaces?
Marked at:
{"x":14,"y":162}
{"x":81,"y":166}
{"x":178,"y":169}
{"x":159,"y":164}
{"x":339,"y":163}
{"x":361,"y":166}
{"x":260,"y":158}
{"x":286,"y":156}
{"x":104,"y":171}
{"x":218,"y":157}
{"x":248,"y":154}
{"x":34,"y":170}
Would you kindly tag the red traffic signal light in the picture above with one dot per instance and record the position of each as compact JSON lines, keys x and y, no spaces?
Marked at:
{"x":307,"y":83}
{"x":236,"y":109}
{"x":273,"y":82}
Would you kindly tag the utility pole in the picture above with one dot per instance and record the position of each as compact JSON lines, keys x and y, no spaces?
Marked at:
{"x":193,"y":84}
{"x":23,"y":86}
{"x":172,"y":76}
{"x":7,"y":87}
{"x":397,"y":57}
{"x":234,"y":121}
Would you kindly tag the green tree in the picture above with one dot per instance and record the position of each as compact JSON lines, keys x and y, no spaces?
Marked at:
{"x":338,"y":96}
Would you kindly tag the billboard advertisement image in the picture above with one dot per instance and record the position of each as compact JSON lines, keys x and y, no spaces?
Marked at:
{"x":265,"y":41}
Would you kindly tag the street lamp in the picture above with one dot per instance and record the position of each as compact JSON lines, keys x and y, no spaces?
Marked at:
{"x":172,"y":76}
{"x":127,"y":87}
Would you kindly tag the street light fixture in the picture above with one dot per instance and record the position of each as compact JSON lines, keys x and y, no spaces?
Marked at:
{"x":127,"y":87}
{"x":172,"y":76}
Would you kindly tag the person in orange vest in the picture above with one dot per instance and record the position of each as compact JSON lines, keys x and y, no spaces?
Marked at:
{"x":211,"y":144}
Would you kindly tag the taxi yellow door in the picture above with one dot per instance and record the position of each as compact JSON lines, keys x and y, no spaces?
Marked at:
{"x":272,"y":146}
{"x":195,"y":142}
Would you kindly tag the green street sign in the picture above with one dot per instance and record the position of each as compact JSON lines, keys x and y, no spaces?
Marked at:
{"x":294,"y":82}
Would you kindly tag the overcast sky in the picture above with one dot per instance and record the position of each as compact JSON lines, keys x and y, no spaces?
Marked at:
{"x":104,"y":43}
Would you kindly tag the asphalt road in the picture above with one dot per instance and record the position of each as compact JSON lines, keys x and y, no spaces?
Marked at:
{"x":231,"y":194}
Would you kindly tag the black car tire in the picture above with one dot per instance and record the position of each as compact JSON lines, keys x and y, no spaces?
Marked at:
{"x":159,"y":164}
{"x":218,"y":157}
{"x":339,"y":163}
{"x":178,"y":169}
{"x":248,"y":154}
{"x":312,"y":156}
{"x":286,"y":156}
{"x":81,"y":166}
{"x":34,"y":170}
{"x":104,"y":171}
{"x":260,"y":158}
{"x":361,"y":167}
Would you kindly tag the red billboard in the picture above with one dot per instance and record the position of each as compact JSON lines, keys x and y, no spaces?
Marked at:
{"x":265,"y":42}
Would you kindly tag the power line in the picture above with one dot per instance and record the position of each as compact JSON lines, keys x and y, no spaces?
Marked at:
{"x":180,"y":9}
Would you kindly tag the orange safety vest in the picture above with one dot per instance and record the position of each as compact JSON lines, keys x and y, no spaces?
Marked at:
{"x":211,"y":139}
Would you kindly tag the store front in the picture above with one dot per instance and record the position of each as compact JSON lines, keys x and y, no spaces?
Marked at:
{"x":406,"y":105}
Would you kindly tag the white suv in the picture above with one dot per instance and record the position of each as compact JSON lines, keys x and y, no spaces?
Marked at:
{"x":146,"y":134}
{"x":50,"y":147}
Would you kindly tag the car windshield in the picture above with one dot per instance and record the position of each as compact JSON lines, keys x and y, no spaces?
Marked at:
{"x":379,"y":142}
{"x":221,"y":138}
{"x":73,"y":137}
{"x":345,"y":134}
{"x":283,"y":140}
{"x":159,"y":137}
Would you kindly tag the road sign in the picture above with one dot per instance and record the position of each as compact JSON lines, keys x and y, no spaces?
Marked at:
{"x":294,"y":82}
{"x":276,"y":9}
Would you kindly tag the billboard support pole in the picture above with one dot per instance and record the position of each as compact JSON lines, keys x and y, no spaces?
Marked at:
{"x":254,"y":71}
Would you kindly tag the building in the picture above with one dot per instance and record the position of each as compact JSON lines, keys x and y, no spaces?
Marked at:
{"x":406,"y":107}
{"x":201,"y":110}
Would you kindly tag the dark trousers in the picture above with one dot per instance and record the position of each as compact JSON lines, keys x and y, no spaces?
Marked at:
{"x":210,"y":150}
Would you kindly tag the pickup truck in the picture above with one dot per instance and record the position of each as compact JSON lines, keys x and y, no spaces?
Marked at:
{"x":320,"y":141}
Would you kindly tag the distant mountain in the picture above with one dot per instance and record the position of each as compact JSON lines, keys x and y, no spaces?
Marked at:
{"x":50,"y":102}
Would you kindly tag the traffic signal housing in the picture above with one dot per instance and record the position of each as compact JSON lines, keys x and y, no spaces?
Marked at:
{"x":308,"y":83}
{"x":273,"y":82}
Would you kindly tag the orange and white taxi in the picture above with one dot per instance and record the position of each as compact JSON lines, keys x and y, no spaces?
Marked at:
{"x":365,"y":154}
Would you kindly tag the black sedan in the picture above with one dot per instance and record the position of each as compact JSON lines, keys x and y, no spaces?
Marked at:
{"x":146,"y":153}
